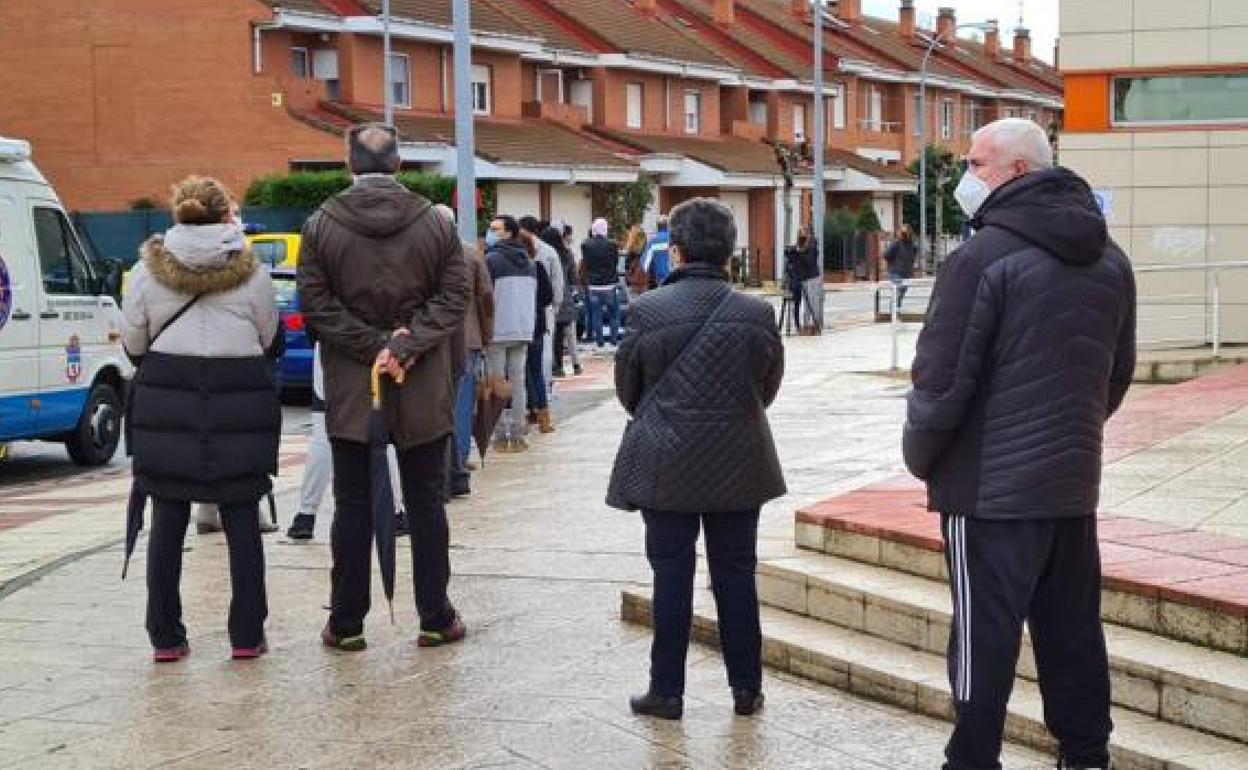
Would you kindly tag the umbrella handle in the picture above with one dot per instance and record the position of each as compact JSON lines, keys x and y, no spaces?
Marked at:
{"x":375,"y":383}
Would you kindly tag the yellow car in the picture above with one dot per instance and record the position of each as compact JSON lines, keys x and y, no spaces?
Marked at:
{"x":275,"y":249}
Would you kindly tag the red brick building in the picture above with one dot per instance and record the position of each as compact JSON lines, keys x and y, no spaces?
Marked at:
{"x":121,"y":97}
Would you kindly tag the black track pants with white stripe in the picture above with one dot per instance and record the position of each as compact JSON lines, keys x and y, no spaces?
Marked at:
{"x":1048,"y":573}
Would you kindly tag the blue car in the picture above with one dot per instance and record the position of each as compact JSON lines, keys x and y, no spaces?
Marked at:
{"x":296,"y":369}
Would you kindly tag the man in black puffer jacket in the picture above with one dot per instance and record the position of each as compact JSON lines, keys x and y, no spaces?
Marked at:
{"x":1028,"y":348}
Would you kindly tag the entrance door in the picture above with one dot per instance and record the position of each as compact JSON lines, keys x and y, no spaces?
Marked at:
{"x":19,"y":322}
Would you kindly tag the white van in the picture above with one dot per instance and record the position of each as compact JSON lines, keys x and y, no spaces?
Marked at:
{"x":63,"y":373}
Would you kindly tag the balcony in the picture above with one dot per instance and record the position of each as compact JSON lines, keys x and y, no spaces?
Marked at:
{"x":570,"y":115}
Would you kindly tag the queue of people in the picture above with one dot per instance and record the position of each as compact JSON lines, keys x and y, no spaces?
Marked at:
{"x":1008,"y":445}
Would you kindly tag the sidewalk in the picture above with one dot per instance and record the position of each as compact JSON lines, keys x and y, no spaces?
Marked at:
{"x":539,"y":563}
{"x":541,"y":681}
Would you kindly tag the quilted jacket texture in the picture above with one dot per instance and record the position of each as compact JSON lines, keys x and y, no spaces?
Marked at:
{"x":701,"y":443}
{"x":1028,"y":348}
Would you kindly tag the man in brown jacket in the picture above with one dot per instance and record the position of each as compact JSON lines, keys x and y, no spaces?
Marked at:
{"x":382,"y":282}
{"x":478,"y":331}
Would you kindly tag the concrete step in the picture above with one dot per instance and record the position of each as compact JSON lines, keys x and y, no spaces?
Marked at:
{"x":893,"y":673}
{"x":1211,"y":616}
{"x":1169,"y":680}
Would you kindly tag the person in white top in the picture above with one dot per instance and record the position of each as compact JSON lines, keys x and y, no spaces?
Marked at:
{"x":318,"y":469}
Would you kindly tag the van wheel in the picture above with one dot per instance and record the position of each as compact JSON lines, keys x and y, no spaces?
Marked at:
{"x":94,"y":440}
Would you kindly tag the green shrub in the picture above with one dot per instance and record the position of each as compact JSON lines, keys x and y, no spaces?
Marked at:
{"x":309,"y":189}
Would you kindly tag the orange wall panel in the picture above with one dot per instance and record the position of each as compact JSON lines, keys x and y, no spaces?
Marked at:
{"x":1087,"y":103}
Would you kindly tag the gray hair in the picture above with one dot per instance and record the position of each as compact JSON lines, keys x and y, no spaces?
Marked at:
{"x":373,"y":148}
{"x":1020,"y":139}
{"x":446,"y":211}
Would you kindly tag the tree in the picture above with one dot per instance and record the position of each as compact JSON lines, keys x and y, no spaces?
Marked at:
{"x":624,"y":204}
{"x":944,"y":173}
{"x":868,"y":220}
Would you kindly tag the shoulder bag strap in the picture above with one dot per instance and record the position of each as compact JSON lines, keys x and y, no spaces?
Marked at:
{"x":684,"y":351}
{"x":136,"y":360}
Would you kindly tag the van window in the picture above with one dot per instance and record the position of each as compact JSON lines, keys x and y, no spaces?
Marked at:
{"x":269,"y":252}
{"x":64,"y":268}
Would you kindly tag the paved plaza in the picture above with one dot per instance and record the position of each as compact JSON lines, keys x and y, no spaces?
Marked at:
{"x":539,"y":561}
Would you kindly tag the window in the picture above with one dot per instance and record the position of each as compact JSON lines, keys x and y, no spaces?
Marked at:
{"x":325,"y":69}
{"x":269,"y":252}
{"x":758,"y":113}
{"x":799,"y":123}
{"x":1031,"y":115}
{"x":635,"y":94}
{"x":1213,"y":98}
{"x":693,"y":112}
{"x":400,"y":80}
{"x":1011,"y":112}
{"x":481,"y":77}
{"x":946,"y":119}
{"x":65,"y":269}
{"x":582,"y":95}
{"x":873,"y":108}
{"x":918,"y":115}
{"x":300,"y":65}
{"x":836,"y":106}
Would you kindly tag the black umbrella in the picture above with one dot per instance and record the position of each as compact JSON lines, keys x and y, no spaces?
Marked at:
{"x":492,"y":398}
{"x":380,"y":491}
{"x":134,"y":523}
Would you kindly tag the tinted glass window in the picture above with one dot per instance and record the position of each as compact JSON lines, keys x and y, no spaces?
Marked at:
{"x":286,"y":290}
{"x":1181,"y":99}
{"x":269,"y":252}
{"x":61,"y":261}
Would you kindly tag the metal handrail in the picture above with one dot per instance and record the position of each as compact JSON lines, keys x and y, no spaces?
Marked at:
{"x":1212,"y":295}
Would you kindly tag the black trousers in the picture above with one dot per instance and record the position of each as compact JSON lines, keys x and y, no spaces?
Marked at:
{"x":423,"y":474}
{"x":248,"y":602}
{"x":1047,"y":572}
{"x":731,"y":550}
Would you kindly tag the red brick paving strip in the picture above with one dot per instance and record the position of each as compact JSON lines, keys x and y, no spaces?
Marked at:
{"x":1138,"y":556}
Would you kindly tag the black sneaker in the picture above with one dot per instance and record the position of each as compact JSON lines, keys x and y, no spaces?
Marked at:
{"x":660,"y":706}
{"x":460,"y":489}
{"x":747,"y":702}
{"x":454,"y":632}
{"x":578,"y":370}
{"x":400,"y":524}
{"x":302,"y":527}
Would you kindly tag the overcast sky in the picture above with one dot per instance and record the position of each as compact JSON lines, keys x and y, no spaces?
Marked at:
{"x":1039,"y":16}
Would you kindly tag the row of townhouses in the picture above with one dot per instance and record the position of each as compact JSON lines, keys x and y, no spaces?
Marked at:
{"x":123,"y":96}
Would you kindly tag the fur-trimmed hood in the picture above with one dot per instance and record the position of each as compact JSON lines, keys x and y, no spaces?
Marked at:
{"x":199,"y":259}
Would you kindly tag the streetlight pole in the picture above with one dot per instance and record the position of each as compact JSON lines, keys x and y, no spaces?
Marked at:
{"x":466,"y":177}
{"x":818,"y":198}
{"x":386,"y":71}
{"x":927,"y":55}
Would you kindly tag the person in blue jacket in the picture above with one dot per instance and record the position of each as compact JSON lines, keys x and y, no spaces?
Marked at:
{"x":657,"y":259}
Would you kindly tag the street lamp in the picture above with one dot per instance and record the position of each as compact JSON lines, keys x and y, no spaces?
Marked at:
{"x":388,"y":89}
{"x":931,"y":46}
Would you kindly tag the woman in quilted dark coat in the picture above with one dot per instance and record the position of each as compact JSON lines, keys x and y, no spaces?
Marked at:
{"x":697,"y":369}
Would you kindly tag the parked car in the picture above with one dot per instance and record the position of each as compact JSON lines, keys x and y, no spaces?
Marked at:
{"x":63,"y":371}
{"x":276,"y":249}
{"x":296,"y":368}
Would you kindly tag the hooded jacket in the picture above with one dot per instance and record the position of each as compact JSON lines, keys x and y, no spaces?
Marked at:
{"x":515,"y":291}
{"x":376,"y":258}
{"x":1028,"y":348}
{"x":204,"y":418}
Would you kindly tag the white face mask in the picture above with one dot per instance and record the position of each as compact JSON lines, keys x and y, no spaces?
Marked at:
{"x":971,"y":193}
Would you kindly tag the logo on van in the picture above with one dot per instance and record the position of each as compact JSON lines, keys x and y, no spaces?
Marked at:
{"x":73,"y":359}
{"x":6,"y":293}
